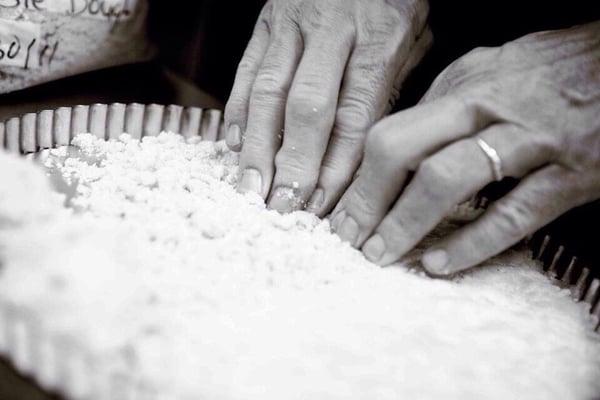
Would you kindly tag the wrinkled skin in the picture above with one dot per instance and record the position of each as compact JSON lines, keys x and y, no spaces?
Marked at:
{"x":535,"y":100}
{"x":316,"y":75}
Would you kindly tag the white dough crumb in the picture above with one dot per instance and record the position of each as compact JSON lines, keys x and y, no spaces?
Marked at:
{"x":169,"y":274}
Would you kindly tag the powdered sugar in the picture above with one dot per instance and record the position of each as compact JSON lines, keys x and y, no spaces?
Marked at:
{"x":214,"y":296}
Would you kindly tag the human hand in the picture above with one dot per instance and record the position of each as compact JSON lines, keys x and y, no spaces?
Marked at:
{"x":315,"y":76}
{"x":535,"y":101}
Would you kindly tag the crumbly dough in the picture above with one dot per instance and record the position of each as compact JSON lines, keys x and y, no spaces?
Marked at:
{"x":167,"y":274}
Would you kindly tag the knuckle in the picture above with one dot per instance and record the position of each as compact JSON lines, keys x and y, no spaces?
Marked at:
{"x":296,"y":165}
{"x":455,"y":72}
{"x":303,"y":89}
{"x":268,"y":87}
{"x":511,"y":51}
{"x":307,"y":109}
{"x":371,"y":61}
{"x":323,"y":17}
{"x":346,"y":33}
{"x":512,"y":218}
{"x":360,"y":203}
{"x":345,"y":147}
{"x":247,"y":64}
{"x":309,"y":88}
{"x":266,"y":16}
{"x":399,"y":224}
{"x":432,"y":171}
{"x":378,"y":145}
{"x":355,"y":113}
{"x":477,"y":54}
{"x":458,"y":66}
{"x":447,"y":81}
{"x":250,"y":60}
{"x":465,"y":65}
{"x":481,"y":101}
{"x":476,"y":57}
{"x":475,"y":68}
{"x":438,"y":88}
{"x":313,"y":20}
{"x":435,"y":179}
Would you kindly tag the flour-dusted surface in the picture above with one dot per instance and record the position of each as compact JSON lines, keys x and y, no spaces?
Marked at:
{"x":170,"y":275}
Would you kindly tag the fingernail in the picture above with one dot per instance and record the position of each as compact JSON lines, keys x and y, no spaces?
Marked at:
{"x":234,"y":137}
{"x":436,"y":262}
{"x":374,"y":248}
{"x":349,"y":230}
{"x":316,"y":201}
{"x":251,"y":182}
{"x":284,"y":200}
{"x":337,"y":219}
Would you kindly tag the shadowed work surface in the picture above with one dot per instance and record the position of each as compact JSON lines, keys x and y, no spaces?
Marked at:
{"x":15,"y":387}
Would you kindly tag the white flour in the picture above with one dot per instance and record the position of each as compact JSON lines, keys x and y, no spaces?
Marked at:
{"x":170,"y":273}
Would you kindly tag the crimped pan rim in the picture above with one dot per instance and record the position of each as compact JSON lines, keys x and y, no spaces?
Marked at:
{"x":47,"y":129}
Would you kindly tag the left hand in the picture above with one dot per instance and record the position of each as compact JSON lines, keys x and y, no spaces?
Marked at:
{"x":536,"y":101}
{"x":314,"y":78}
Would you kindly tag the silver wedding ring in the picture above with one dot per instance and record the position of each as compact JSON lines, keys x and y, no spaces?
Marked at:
{"x":494,"y":158}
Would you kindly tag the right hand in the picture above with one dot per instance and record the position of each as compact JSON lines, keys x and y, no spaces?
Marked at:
{"x":533,"y":103}
{"x":315,"y":76}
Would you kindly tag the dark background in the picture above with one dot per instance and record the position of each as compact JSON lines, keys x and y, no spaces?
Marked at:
{"x":204,"y":40}
{"x":212,"y":34}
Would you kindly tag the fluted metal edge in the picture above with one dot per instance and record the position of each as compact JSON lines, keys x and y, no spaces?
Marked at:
{"x":47,"y":129}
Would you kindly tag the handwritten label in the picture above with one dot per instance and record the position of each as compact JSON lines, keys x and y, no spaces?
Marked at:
{"x":19,"y":44}
{"x":110,"y":10}
{"x":26,"y":4}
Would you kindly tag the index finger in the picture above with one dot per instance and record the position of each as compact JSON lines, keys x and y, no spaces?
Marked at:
{"x":394,"y":147}
{"x":236,"y":110}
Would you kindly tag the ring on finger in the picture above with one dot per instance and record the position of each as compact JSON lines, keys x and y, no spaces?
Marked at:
{"x":494,"y":158}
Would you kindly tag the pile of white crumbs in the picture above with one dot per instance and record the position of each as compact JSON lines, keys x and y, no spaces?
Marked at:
{"x":168,"y":272}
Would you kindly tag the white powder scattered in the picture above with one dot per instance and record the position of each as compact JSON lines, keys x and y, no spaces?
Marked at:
{"x":169,"y":273}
